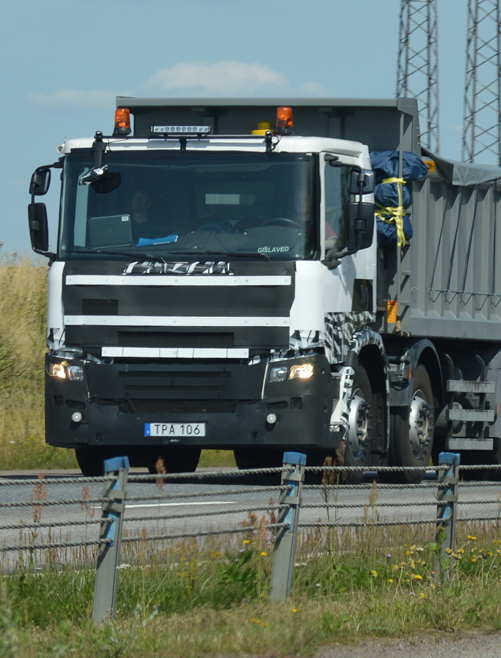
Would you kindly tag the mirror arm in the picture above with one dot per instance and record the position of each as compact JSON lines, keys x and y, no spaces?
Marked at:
{"x":47,"y":254}
{"x":98,"y":148}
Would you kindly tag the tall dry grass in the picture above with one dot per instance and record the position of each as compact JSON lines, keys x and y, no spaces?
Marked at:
{"x":23,"y":309}
{"x":23,"y":302}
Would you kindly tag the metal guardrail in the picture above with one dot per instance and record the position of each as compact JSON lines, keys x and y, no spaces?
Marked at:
{"x":286,"y":527}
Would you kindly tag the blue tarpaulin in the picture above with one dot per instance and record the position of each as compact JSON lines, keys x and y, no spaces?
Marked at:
{"x":385,"y":165}
{"x":388,"y":200}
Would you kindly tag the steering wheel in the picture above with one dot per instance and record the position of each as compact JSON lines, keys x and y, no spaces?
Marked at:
{"x":281,"y":220}
{"x":215,"y":227}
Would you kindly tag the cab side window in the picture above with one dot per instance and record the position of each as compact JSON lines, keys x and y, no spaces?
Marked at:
{"x":337,"y":202}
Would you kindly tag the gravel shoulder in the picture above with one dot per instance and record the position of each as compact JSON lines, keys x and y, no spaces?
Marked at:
{"x":474,"y":645}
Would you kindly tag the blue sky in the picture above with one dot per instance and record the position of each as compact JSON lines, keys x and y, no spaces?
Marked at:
{"x":64,"y":61}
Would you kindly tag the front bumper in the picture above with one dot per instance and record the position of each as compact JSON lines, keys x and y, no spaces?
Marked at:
{"x":233,"y":399}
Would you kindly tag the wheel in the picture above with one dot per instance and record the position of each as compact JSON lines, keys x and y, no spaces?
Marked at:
{"x":412,"y":429}
{"x":175,"y":460}
{"x":91,"y":461}
{"x":246,"y":458}
{"x":278,"y":221}
{"x":358,"y":445}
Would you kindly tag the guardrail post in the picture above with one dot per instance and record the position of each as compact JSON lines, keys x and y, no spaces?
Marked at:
{"x":447,"y":498}
{"x":285,"y":544}
{"x":108,"y":561}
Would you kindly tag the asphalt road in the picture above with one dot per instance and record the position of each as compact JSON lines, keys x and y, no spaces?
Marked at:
{"x":190,"y":509}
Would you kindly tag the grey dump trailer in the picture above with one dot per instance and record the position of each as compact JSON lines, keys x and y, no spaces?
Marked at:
{"x":232,"y":274}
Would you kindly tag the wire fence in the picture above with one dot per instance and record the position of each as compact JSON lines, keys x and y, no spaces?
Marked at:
{"x":287,"y":517}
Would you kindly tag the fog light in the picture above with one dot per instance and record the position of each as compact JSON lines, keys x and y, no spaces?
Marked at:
{"x":271,"y":419}
{"x":279,"y":374}
{"x":76,"y":373}
{"x":303,"y":371}
{"x":76,"y":417}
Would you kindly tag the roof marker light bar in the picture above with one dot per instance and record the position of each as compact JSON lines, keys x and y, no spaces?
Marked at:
{"x":180,"y":130}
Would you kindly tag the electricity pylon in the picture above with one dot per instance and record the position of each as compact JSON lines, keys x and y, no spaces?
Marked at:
{"x":482,"y":106}
{"x":417,"y":74}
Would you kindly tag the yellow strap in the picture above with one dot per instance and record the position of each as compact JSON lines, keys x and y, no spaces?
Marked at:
{"x":396,"y":215}
{"x":394,"y":180}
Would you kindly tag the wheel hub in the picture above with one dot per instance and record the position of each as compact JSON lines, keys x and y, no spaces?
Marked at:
{"x":359,"y":430}
{"x":420,"y":427}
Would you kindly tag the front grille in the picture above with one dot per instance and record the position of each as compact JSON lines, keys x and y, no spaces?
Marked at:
{"x":201,"y":339}
{"x":137,"y":406}
{"x":176,"y":383}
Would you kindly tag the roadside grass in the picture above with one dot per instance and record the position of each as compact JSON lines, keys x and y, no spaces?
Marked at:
{"x":191,"y":598}
{"x":23,"y":303}
{"x":216,"y":458}
{"x":23,"y":310}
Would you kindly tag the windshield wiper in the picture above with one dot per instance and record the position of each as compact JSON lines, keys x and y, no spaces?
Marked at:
{"x":108,"y":252}
{"x":231,"y":256}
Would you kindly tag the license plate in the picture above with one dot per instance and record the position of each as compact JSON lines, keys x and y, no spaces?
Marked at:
{"x":174,"y":429}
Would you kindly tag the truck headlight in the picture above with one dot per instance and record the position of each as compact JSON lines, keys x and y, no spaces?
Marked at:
{"x":279,"y":374}
{"x":303,"y":371}
{"x":64,"y":371}
{"x":57,"y":370}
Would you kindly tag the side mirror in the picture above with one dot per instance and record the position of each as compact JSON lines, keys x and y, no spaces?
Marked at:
{"x":365,"y":178}
{"x":39,"y":229}
{"x":361,"y":229}
{"x":107,"y":183}
{"x":40,"y":182}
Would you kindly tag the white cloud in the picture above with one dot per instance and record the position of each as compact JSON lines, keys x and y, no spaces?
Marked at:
{"x":314,"y":90}
{"x":70,"y":99}
{"x":225,"y":78}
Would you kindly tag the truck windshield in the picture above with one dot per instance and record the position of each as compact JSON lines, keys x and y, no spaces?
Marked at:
{"x":168,"y":203}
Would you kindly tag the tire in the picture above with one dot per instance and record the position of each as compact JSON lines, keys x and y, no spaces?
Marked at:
{"x":175,"y":460}
{"x":91,"y":461}
{"x":412,"y":429}
{"x":358,"y":446}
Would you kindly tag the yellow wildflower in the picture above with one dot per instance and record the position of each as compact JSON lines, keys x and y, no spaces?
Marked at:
{"x":246,"y":541}
{"x":472,"y":538}
{"x":423,"y":595}
{"x":473,"y":559}
{"x":374,"y":573}
{"x":265,"y":623}
{"x":418,"y":577}
{"x":294,"y":610}
{"x":390,"y":580}
{"x":264,"y":553}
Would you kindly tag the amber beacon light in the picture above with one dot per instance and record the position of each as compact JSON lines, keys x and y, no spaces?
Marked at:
{"x":122,"y":121}
{"x":284,"y":119}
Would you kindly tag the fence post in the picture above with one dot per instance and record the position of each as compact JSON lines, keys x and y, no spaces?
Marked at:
{"x":108,"y":561}
{"x":447,"y":498}
{"x":284,"y":553}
